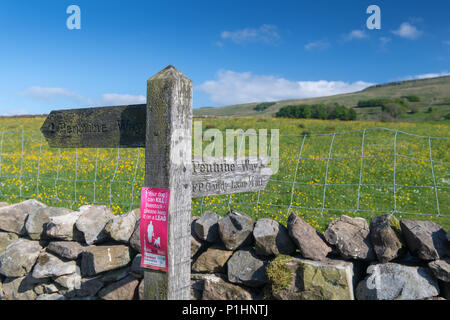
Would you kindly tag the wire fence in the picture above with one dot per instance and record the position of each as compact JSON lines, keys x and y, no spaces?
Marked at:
{"x":370,"y":171}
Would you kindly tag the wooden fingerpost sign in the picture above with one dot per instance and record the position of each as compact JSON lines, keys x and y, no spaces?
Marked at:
{"x":164,"y":127}
{"x":168,"y":172}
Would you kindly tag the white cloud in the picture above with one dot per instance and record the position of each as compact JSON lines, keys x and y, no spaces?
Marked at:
{"x":385,"y":40}
{"x":16,"y":112}
{"x":426,"y":76}
{"x":355,"y":34}
{"x":233,"y":88}
{"x":408,"y":31}
{"x":122,"y":99}
{"x":267,"y":34}
{"x":320,"y":45}
{"x":446,"y":42}
{"x":42,"y":93}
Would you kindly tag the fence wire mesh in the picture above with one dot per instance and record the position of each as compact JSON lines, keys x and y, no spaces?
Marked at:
{"x":370,"y":171}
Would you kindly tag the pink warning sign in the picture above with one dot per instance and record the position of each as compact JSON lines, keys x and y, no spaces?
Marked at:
{"x":154,"y":228}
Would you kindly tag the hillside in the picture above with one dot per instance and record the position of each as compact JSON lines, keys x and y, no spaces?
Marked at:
{"x":434,"y":92}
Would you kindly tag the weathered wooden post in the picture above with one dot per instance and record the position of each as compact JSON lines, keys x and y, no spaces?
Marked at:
{"x":168,"y":156}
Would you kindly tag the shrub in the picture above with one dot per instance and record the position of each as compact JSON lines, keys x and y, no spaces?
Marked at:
{"x":412,"y":98}
{"x":263,"y":106}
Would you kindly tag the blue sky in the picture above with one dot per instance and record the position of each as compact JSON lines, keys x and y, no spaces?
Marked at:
{"x":234,"y":51}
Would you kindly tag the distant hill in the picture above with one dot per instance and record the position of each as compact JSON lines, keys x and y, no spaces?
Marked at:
{"x":433,"y":92}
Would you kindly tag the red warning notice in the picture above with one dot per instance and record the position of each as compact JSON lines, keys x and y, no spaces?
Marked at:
{"x":154,"y":228}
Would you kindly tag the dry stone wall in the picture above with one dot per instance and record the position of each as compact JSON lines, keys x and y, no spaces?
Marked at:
{"x":49,"y":253}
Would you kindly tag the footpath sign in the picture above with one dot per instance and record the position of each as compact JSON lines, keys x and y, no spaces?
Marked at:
{"x":154,"y":228}
{"x":164,"y":127}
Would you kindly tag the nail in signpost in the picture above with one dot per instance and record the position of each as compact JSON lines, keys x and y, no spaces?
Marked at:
{"x":164,"y":127}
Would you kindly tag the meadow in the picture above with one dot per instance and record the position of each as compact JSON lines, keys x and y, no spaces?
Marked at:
{"x":321,"y":174}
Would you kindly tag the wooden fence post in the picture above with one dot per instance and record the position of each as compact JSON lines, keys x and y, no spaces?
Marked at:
{"x":168,"y":155}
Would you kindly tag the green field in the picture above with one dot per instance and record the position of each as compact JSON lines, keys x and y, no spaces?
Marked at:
{"x":434,"y":93}
{"x":69,"y":177}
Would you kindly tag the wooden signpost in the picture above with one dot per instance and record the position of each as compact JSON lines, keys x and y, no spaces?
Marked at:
{"x":164,"y":127}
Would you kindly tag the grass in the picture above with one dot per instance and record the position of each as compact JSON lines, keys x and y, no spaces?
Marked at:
{"x":119,"y":173}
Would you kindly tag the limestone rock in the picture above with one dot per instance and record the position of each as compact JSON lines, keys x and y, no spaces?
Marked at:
{"x":212,"y":260}
{"x":307,"y":239}
{"x":89,"y":287}
{"x":63,"y":227}
{"x":12,"y":218}
{"x":19,"y":257}
{"x":135,"y":240}
{"x":272,"y":238}
{"x":293,"y":278}
{"x":217,"y":289}
{"x":66,"y":249}
{"x":37,"y":223}
{"x":48,"y":265}
{"x":71,"y":282}
{"x":115,"y":275}
{"x":236,"y":230}
{"x":351,"y":236}
{"x":51,"y":296}
{"x":196,"y":243}
{"x":120,"y":228}
{"x":92,"y":223}
{"x":441,"y":269}
{"x":244,"y":267}
{"x":425,"y":239}
{"x":385,"y":242}
{"x":97,"y":259}
{"x":6,"y":238}
{"x":17,"y":289}
{"x":391,"y":281}
{"x":121,"y":290}
{"x":206,"y":227}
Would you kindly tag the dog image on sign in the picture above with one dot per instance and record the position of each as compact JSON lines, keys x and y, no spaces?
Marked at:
{"x":157,"y":243}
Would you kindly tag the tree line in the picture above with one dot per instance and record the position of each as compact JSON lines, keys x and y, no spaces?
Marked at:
{"x":317,"y":111}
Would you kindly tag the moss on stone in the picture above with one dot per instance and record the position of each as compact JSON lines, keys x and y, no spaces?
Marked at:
{"x":279,"y":274}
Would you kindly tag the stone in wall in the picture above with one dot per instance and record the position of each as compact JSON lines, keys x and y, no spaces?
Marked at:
{"x":92,"y":222}
{"x":48,"y":265}
{"x":97,"y":259}
{"x":66,"y":249}
{"x":120,"y":228}
{"x":13,"y":217}
{"x":20,"y":288}
{"x":124,"y":289}
{"x":384,"y":239}
{"x":206,"y":227}
{"x":36,"y":223}
{"x":19,"y":257}
{"x":217,"y":289}
{"x":212,"y":260}
{"x":63,"y":227}
{"x":236,"y":230}
{"x":6,"y":238}
{"x":245,"y":267}
{"x":391,"y":281}
{"x":425,"y":239}
{"x":272,"y":238}
{"x":301,"y":279}
{"x":307,"y":239}
{"x":441,"y":269}
{"x":351,"y":237}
